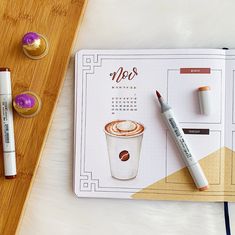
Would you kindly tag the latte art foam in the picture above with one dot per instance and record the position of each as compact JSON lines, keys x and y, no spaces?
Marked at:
{"x":124,"y":128}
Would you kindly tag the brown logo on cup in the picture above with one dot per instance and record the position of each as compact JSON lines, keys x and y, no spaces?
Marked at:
{"x":124,"y":155}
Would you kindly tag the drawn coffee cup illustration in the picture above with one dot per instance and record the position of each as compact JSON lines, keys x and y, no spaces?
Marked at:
{"x":124,"y":139}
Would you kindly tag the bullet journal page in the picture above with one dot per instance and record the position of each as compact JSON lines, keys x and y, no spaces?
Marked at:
{"x":122,"y":147}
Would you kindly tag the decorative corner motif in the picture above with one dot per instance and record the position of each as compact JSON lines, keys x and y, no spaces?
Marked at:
{"x":87,"y":183}
{"x":90,"y":62}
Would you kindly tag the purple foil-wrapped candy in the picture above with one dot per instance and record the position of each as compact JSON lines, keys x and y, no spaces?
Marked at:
{"x":30,"y":38}
{"x":27,"y":104}
{"x":25,"y":101}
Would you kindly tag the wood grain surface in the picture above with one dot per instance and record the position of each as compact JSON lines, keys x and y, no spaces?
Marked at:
{"x":58,"y":21}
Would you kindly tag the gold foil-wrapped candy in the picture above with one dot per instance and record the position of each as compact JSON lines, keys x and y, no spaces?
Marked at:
{"x":35,"y":45}
{"x":27,"y":104}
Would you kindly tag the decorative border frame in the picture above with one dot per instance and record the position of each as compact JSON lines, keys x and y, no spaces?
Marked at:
{"x":89,"y":62}
{"x":233,"y":156}
{"x":233,"y":95}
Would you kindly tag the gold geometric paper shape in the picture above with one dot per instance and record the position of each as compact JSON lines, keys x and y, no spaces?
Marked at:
{"x":212,"y":171}
{"x":213,"y":166}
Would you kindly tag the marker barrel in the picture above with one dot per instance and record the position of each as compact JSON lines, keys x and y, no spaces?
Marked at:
{"x":186,"y":153}
{"x":7,"y":124}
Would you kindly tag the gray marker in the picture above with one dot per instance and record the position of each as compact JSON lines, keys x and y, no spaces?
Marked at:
{"x":179,"y":138}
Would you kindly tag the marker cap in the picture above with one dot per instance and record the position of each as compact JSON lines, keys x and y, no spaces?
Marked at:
{"x":198,"y":176}
{"x":9,"y":164}
{"x":204,"y":88}
{"x":5,"y":81}
{"x":204,"y":94}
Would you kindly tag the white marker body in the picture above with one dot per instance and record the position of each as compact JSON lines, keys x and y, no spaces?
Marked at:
{"x":205,"y":101}
{"x":7,"y":124}
{"x":186,"y":154}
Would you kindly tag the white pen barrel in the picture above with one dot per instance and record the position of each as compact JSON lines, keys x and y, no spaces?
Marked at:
{"x":198,"y":175}
{"x":178,"y":137}
{"x":186,"y":153}
{"x":7,"y":124}
{"x":9,"y":164}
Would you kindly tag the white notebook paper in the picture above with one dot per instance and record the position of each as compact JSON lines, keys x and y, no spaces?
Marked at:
{"x":115,"y":92}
